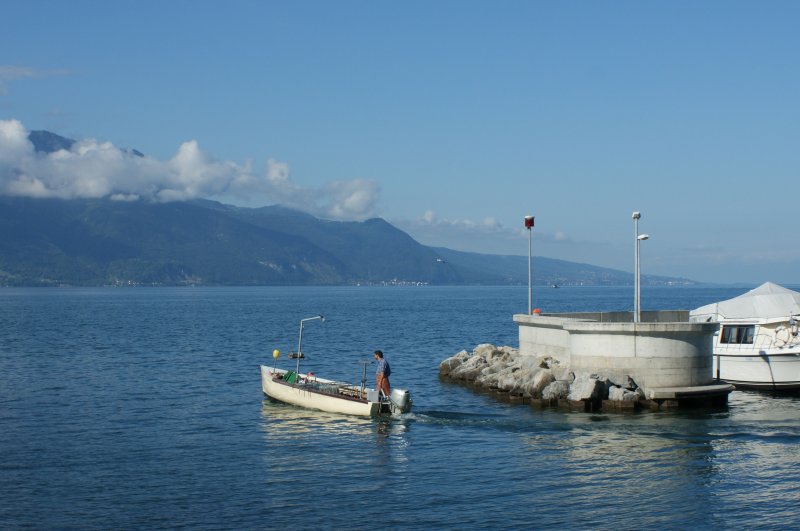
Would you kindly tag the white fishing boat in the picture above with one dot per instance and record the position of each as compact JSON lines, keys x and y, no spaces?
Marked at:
{"x":758,"y":341}
{"x":308,"y":390}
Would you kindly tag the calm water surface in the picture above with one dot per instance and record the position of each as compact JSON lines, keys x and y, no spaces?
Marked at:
{"x":142,"y":408}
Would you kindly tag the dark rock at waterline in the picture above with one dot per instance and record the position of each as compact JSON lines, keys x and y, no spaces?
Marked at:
{"x":621,"y":394}
{"x":628,"y":383}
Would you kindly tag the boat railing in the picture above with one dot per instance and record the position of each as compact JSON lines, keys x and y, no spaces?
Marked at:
{"x":761,"y":341}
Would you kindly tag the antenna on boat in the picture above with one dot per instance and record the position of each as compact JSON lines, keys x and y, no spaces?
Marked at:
{"x":364,"y":376}
{"x":300,"y":341}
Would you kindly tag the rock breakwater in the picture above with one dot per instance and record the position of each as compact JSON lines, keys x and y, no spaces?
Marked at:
{"x":541,"y":379}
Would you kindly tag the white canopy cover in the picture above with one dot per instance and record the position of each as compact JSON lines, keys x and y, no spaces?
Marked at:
{"x":768,"y":302}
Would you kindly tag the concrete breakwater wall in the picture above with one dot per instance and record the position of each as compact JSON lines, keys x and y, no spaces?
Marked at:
{"x":547,"y":381}
{"x":599,"y":360}
{"x":661,"y":351}
{"x":542,"y":379}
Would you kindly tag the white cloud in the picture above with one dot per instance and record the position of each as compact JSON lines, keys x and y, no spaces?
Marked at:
{"x":93,"y":169}
{"x":430,"y":218}
{"x":14,"y":141}
{"x":277,"y":172}
{"x":352,"y":199}
{"x":487,"y":235}
{"x":13,"y":73}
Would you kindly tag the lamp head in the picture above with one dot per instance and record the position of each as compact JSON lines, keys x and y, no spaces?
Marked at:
{"x":636,"y":215}
{"x":643,"y":237}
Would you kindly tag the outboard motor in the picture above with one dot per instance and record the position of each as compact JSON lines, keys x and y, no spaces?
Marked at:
{"x":401,"y":401}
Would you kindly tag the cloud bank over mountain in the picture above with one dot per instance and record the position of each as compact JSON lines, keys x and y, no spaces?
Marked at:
{"x":485,"y":236}
{"x":94,"y":169}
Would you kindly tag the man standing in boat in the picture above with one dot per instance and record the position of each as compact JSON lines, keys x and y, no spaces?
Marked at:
{"x":382,"y":373}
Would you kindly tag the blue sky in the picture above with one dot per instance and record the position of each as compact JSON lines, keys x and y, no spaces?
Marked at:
{"x":452,"y":120}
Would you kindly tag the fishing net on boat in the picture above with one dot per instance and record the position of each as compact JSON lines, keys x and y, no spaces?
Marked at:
{"x":328,"y":388}
{"x":331,"y":389}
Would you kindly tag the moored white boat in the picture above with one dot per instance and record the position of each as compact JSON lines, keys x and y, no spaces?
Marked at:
{"x":758,"y":342}
{"x":307,"y":390}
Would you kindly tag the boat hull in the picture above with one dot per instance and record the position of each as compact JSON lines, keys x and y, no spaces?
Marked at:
{"x":306,"y":396}
{"x":758,"y":341}
{"x":759,"y":369}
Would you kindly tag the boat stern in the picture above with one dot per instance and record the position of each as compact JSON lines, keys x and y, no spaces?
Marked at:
{"x":400,"y":401}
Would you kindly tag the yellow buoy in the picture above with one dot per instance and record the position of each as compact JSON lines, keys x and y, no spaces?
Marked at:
{"x":276,"y":353}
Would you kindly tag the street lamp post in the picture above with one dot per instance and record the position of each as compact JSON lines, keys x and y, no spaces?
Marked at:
{"x":529,"y":226}
{"x":637,"y":302}
{"x":640,"y":238}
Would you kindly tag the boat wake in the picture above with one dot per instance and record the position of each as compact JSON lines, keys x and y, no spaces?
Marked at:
{"x":457,"y":418}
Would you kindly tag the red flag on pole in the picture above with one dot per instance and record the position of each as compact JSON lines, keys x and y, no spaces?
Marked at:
{"x":528,"y":222}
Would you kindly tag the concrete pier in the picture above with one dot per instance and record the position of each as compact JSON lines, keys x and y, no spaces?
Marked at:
{"x":669,"y":357}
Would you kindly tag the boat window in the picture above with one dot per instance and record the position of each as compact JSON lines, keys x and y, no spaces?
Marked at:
{"x":741,"y":335}
{"x":727,"y":332}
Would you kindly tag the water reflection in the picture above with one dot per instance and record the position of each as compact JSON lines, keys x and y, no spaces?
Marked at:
{"x":286,"y":422}
{"x":749,"y":452}
{"x":357,"y":454}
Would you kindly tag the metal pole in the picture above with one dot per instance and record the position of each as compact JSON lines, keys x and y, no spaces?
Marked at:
{"x":363,"y":377}
{"x":638,"y":303}
{"x":300,"y":340}
{"x":636,"y":216}
{"x":638,"y":279}
{"x":530,"y":272}
{"x":529,"y":225}
{"x":299,"y":344}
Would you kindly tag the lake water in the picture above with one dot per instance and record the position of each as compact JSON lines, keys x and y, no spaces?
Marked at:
{"x":142,"y":408}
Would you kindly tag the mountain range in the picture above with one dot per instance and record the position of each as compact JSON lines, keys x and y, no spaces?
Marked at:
{"x":87,"y":242}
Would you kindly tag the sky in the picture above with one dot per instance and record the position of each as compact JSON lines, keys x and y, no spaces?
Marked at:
{"x":450,"y":119}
